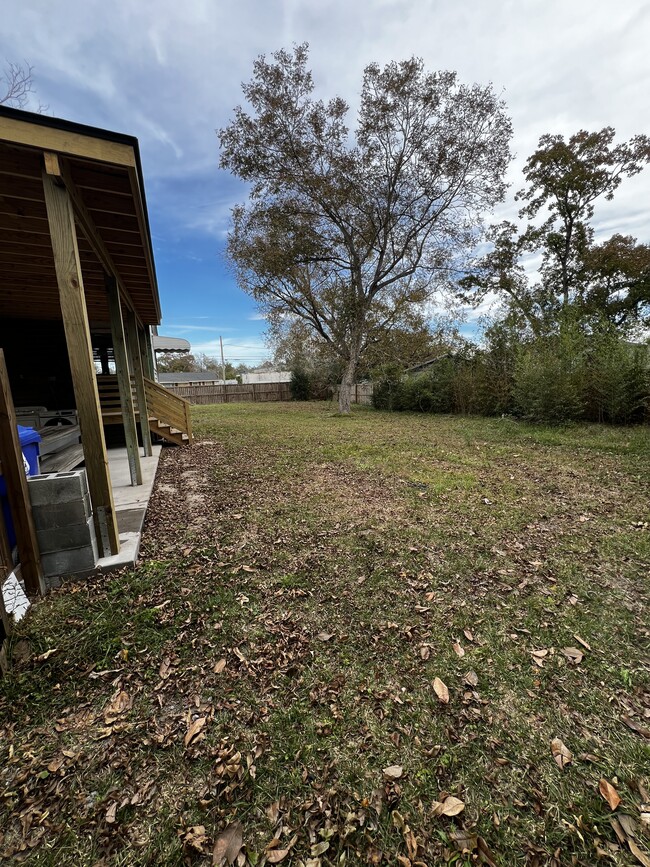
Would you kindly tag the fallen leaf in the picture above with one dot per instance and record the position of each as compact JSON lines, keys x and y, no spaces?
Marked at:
{"x":197,"y":726}
{"x":449,"y":807}
{"x":609,"y":793}
{"x":43,"y":656}
{"x":485,"y":855}
{"x":458,"y":650}
{"x":325,"y":636}
{"x":584,"y":643}
{"x":219,"y":666}
{"x":277,"y":855}
{"x":196,"y":837}
{"x":538,"y":657}
{"x":561,"y":754}
{"x":229,"y":843}
{"x":441,"y":690}
{"x":471,"y":678}
{"x":165,"y":665}
{"x":120,"y":703}
{"x":639,"y":729}
{"x":320,"y":848}
{"x":638,"y":853}
{"x":111,"y":812}
{"x":574,"y":655}
{"x":394,"y":772}
{"x":468,"y":634}
{"x":425,"y":652}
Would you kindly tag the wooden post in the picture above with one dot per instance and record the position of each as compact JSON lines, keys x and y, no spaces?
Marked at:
{"x":123,"y":370}
{"x":13,"y":470}
{"x":133,"y":345}
{"x":60,"y":215}
{"x":148,"y":356}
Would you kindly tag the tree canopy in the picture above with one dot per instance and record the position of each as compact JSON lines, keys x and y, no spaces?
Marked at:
{"x":610,"y":280}
{"x":348,"y":232}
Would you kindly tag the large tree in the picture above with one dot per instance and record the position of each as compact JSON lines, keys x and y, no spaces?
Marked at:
{"x":611,"y":280}
{"x":346,"y":232}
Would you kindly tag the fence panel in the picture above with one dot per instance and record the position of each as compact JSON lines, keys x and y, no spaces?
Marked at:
{"x":217,"y":393}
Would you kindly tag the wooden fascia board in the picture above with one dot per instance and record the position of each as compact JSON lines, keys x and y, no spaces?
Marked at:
{"x":145,"y":235}
{"x":45,"y":138}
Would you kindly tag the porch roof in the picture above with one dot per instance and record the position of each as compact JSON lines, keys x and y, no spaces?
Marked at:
{"x":103,"y":174}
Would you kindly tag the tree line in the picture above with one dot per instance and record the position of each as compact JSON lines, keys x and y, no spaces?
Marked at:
{"x":347,"y":237}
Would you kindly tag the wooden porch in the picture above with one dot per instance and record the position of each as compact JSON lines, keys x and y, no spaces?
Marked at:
{"x":76,"y":265}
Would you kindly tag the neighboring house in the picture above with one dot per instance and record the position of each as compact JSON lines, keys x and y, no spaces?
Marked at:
{"x":426,"y":365}
{"x":196,"y":377}
{"x":266,"y":377}
{"x":78,"y":293}
{"x":170,"y":344}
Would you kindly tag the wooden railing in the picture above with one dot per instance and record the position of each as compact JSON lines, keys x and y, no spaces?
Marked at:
{"x":162,"y":406}
{"x":167,"y":407}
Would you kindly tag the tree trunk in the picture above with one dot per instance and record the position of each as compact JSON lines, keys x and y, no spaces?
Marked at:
{"x":345,"y":390}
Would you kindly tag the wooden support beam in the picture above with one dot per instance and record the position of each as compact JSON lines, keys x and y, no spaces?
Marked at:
{"x":135,"y":356}
{"x":123,"y":370}
{"x":60,"y":170}
{"x":13,"y":470}
{"x":84,"y":379}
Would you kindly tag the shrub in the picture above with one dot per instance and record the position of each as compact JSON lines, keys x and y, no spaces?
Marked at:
{"x":300,"y":385}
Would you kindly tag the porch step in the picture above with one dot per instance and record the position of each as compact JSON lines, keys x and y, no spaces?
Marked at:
{"x":167,"y":432}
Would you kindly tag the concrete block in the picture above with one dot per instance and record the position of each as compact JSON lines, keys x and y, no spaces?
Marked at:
{"x":78,"y":535}
{"x":56,"y":488}
{"x":49,"y":517}
{"x":69,"y":562}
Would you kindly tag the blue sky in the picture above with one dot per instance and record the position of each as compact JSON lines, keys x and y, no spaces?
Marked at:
{"x":170,"y":73}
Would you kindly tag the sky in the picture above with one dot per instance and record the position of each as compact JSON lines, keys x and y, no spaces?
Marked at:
{"x":170,"y":73}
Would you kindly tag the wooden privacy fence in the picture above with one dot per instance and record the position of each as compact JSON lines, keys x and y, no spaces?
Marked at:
{"x":217,"y":393}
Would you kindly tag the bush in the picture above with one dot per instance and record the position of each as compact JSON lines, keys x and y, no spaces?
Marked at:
{"x":300,"y":385}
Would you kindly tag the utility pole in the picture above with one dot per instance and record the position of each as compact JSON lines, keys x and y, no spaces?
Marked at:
{"x":223,"y":363}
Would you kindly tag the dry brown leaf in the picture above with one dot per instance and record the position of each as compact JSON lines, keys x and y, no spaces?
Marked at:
{"x":111,"y":813}
{"x":219,"y":666}
{"x":197,"y":726}
{"x":485,"y":854}
{"x":196,"y":837}
{"x":638,"y":853}
{"x":441,"y":690}
{"x":43,"y":656}
{"x":584,"y":643}
{"x":425,"y":652}
{"x":471,"y":678}
{"x":468,"y":634}
{"x":561,"y":754}
{"x":574,"y":655}
{"x":325,"y":636}
{"x":639,"y":729}
{"x":609,"y":793}
{"x":449,"y":807}
{"x":277,"y":855}
{"x":273,"y":812}
{"x":458,"y":650}
{"x":228,"y":845}
{"x":394,"y":772}
{"x":319,"y":848}
{"x":120,"y":703}
{"x":165,"y":665}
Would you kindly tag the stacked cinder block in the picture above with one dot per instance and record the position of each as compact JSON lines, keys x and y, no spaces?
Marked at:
{"x":64,"y":524}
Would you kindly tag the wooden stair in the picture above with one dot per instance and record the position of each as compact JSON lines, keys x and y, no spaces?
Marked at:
{"x":169,"y":415}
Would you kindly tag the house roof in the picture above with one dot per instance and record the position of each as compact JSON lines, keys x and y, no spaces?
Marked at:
{"x":103,"y":170}
{"x":195,"y":376}
{"x":170,"y":344}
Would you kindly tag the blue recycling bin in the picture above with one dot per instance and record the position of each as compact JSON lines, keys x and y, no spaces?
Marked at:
{"x":29,"y":440}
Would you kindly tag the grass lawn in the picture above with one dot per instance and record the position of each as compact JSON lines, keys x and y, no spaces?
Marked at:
{"x":341,"y":631}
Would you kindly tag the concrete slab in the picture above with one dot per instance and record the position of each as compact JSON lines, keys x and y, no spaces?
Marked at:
{"x":130,"y":505}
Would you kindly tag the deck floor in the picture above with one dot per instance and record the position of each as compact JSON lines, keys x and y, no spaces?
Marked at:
{"x":130,"y":505}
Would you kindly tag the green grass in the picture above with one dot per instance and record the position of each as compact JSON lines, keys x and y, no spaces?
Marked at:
{"x":333,"y":563}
